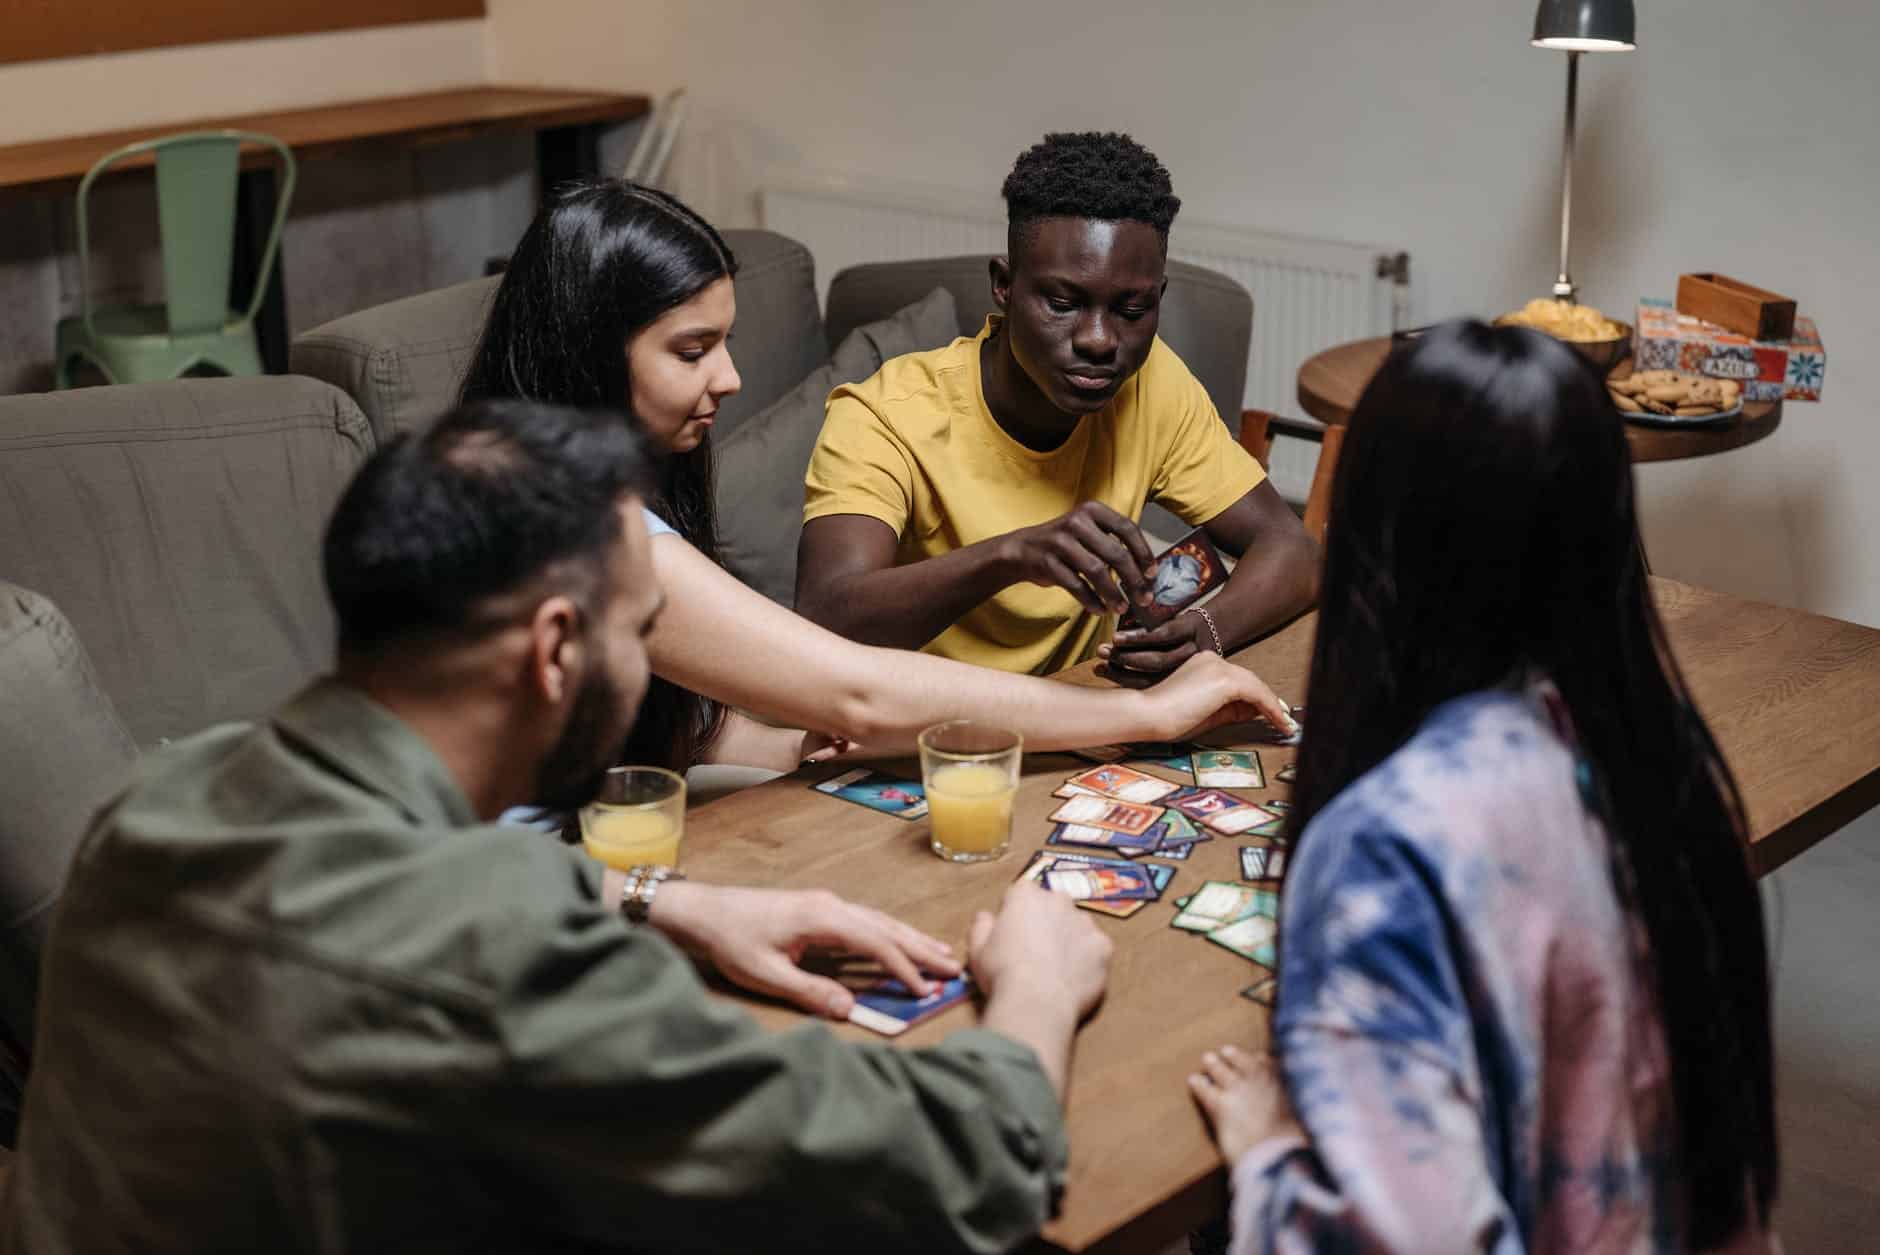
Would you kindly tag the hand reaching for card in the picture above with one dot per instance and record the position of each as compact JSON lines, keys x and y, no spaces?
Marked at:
{"x":1207,"y":692}
{"x":756,"y":938}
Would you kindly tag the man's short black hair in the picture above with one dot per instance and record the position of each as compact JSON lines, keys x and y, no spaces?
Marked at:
{"x":1103,"y":175}
{"x":480,"y":504}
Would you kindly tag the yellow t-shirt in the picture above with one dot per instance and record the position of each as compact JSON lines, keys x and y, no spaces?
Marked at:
{"x":915,"y":447}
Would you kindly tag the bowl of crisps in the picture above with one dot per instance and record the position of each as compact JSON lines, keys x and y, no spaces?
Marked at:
{"x":1603,"y":341}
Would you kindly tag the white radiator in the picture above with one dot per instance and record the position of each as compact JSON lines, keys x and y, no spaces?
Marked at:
{"x":1308,"y":294}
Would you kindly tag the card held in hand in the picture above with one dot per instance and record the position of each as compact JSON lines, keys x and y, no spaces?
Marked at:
{"x":891,"y":1008}
{"x":1180,"y":575}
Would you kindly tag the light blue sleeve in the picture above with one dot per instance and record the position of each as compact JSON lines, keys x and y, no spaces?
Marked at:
{"x":656,"y":526}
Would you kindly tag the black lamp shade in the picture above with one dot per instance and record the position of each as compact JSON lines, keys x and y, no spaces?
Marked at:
{"x":1585,"y":25}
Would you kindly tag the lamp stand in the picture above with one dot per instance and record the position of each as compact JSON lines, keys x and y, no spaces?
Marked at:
{"x":1563,"y":283}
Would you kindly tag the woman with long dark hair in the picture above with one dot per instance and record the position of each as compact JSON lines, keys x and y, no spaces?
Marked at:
{"x":1523,"y":990}
{"x":619,"y":296}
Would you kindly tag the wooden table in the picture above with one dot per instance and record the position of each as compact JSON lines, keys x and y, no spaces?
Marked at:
{"x":1331,"y":382}
{"x":567,"y":125}
{"x":1794,"y":700}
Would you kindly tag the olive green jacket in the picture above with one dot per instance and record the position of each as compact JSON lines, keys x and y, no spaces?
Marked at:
{"x":298,"y":998}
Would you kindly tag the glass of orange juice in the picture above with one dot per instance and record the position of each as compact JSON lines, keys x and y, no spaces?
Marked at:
{"x":970,"y":773}
{"x":638,"y":818}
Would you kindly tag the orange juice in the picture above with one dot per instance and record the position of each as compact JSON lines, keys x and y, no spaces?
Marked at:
{"x":971,"y":806}
{"x":625,"y":837}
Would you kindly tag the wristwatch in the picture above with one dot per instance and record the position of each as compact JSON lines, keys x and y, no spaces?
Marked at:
{"x":636,"y":900}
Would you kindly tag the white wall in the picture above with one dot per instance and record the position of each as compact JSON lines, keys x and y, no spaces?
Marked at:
{"x":1742,"y":137}
{"x":79,"y":95}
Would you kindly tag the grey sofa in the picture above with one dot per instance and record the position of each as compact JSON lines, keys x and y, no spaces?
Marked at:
{"x":169,"y":534}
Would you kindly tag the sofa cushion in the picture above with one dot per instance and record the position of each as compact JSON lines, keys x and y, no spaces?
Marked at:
{"x":404,"y":361}
{"x":761,"y":465}
{"x":65,"y":753}
{"x":178,"y":526}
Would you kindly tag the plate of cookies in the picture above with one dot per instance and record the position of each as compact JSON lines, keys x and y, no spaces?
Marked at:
{"x":1674,"y":398}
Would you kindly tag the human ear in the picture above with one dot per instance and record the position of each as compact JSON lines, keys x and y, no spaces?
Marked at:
{"x":557,"y":652}
{"x":1000,"y":271}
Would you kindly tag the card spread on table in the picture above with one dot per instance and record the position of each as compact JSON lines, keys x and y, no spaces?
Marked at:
{"x":1103,"y":812}
{"x":891,"y":1008}
{"x":1107,"y":838}
{"x":1250,"y":938}
{"x":1051,"y":860}
{"x":1228,"y":769}
{"x":878,"y":791}
{"x":1221,"y":902}
{"x":1242,"y":819}
{"x":1201,"y":803}
{"x":1262,"y":862}
{"x":1123,"y":783}
{"x":1179,"y":851}
{"x":1123,"y":909}
{"x":1180,"y":575}
{"x":1067,"y":789}
{"x":1253,"y":862}
{"x":1104,"y":884}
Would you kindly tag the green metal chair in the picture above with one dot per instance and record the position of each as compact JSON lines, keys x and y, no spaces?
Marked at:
{"x":194,"y":327}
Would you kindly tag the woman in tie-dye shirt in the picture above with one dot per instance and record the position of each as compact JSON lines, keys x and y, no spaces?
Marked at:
{"x":1523,"y":995}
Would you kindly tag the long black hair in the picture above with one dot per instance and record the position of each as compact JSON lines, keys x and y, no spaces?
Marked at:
{"x":1483,"y":525}
{"x":602,"y":260}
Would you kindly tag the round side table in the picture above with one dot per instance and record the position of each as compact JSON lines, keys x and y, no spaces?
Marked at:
{"x":1330,"y":383}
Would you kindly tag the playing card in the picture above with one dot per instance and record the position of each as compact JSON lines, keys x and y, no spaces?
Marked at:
{"x":1103,"y":812}
{"x":1104,"y":884}
{"x":1275,"y":864}
{"x":1271,"y":828}
{"x":1123,"y":783}
{"x":1180,"y":575}
{"x":1198,"y":804}
{"x":1250,"y":938}
{"x":1067,"y":789}
{"x":1228,"y":769}
{"x":1109,"y":839}
{"x":1179,"y":852}
{"x":890,"y":1008}
{"x":1270,"y":735}
{"x":1221,"y":902}
{"x":878,"y":791}
{"x":1125,"y":909}
{"x":1253,"y":862}
{"x":1242,"y":819}
{"x":1263,"y":992}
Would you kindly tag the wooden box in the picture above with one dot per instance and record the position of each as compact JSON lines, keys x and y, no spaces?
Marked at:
{"x":1736,"y":306}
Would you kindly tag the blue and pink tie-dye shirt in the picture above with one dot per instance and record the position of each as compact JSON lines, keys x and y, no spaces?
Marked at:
{"x":1466,"y":1022}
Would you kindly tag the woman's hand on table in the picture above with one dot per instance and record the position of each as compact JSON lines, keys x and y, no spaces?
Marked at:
{"x":1207,"y":692}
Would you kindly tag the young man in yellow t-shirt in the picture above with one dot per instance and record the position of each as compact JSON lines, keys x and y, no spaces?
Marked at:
{"x":981,"y":500}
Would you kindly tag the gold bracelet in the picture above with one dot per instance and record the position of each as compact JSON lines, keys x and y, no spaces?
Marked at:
{"x":1212,"y":630}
